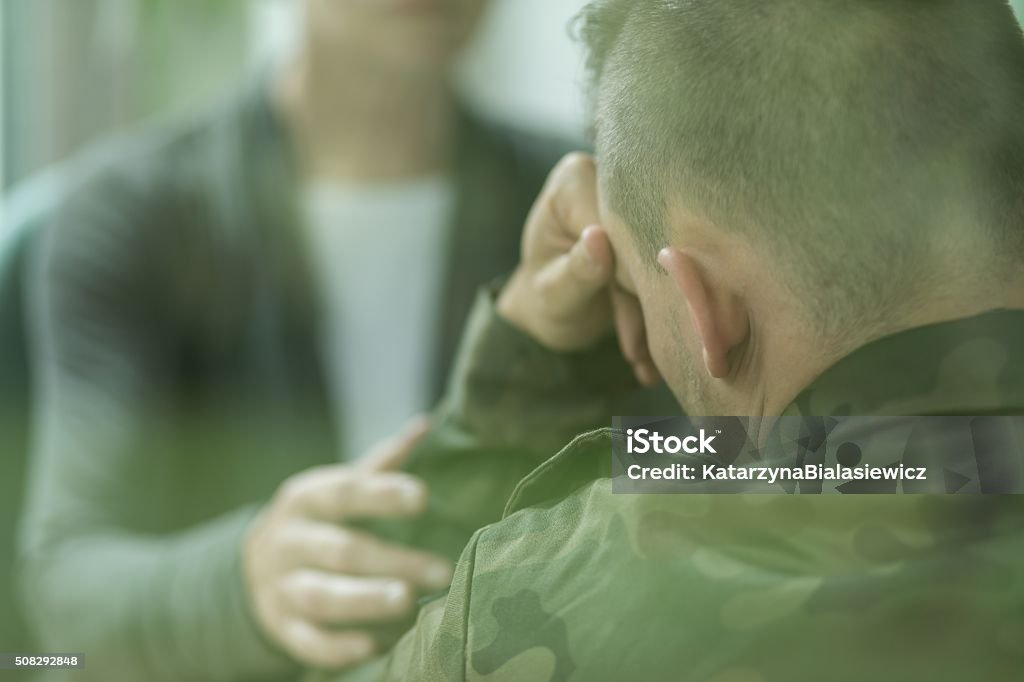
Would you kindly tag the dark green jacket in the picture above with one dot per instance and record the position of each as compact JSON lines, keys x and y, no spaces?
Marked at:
{"x":175,"y":330}
{"x":568,"y":581}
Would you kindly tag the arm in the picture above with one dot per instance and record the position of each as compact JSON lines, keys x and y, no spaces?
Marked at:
{"x":109,"y":567}
{"x":164,"y":607}
{"x":537,"y":366}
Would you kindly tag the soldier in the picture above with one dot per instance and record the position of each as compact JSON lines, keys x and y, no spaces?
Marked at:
{"x":798,"y":208}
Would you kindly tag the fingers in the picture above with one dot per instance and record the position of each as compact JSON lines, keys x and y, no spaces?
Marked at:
{"x":323,"y":648}
{"x":392,"y":453}
{"x":570,"y":282}
{"x":632,"y":334}
{"x":337,"y":493}
{"x":556,"y":293}
{"x":573,"y":193}
{"x":369,"y":489}
{"x":328,"y":599}
{"x":342,"y":550}
{"x":304,"y":573}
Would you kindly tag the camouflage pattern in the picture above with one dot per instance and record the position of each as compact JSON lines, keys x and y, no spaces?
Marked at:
{"x":575,"y":583}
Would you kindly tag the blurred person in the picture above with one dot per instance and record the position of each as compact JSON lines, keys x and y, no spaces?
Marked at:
{"x":226,"y":308}
{"x":797,"y":209}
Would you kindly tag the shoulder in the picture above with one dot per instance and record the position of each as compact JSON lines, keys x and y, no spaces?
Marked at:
{"x":153,"y":167}
{"x":559,"y":505}
{"x":554,"y":582}
{"x":129,"y":211}
{"x":158,"y":191}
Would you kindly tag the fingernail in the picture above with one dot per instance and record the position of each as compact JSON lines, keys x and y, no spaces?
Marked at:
{"x":438,"y":576}
{"x":588,"y":255}
{"x":412,"y":495}
{"x":398,"y":594}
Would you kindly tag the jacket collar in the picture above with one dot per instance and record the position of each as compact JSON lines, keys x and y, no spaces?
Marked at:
{"x":968,"y":366}
{"x":972,"y":365}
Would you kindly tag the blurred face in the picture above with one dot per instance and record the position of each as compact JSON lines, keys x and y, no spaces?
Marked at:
{"x":407,"y":35}
{"x":674,"y":344}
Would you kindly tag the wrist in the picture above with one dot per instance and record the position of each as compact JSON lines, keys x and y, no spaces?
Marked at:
{"x":512,"y":303}
{"x":511,"y":390}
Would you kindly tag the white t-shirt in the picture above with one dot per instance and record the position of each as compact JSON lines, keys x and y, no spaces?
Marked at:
{"x":377,"y":252}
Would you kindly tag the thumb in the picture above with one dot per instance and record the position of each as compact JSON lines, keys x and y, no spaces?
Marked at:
{"x":571,"y":281}
{"x":391,"y":453}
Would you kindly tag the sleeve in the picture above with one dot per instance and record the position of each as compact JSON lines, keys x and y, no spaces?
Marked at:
{"x":508,"y":389}
{"x":141,"y":605}
{"x":510,"y":405}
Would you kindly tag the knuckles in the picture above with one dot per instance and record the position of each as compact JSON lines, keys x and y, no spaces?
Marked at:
{"x":311,"y":601}
{"x":347,"y":486}
{"x":573,"y":166}
{"x":342,"y":552}
{"x":403,"y":599}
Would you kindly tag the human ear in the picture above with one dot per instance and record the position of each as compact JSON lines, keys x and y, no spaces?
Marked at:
{"x":718,"y":313}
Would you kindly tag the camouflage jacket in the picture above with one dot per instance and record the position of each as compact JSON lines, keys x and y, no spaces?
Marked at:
{"x":562,"y":580}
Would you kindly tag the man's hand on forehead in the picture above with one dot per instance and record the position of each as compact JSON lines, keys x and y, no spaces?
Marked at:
{"x":564,"y":292}
{"x":632,"y":332}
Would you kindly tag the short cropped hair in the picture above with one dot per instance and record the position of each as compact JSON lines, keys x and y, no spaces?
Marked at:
{"x":858,"y":140}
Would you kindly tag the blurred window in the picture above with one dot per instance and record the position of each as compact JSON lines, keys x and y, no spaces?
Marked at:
{"x":76,"y":69}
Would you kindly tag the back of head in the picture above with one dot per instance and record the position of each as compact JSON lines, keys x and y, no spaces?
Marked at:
{"x":871,"y":148}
